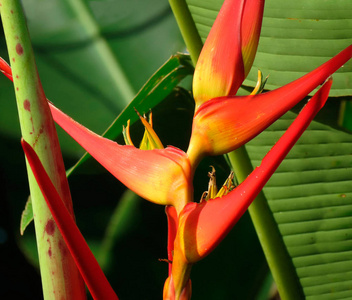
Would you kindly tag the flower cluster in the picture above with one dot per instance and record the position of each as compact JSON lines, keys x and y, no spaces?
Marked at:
{"x":222,"y":122}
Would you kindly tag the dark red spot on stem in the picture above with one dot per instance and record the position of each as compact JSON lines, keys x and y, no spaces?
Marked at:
{"x":50,"y":227}
{"x":63,"y":248}
{"x":19,"y":49}
{"x":27,"y":105}
{"x":49,"y":252}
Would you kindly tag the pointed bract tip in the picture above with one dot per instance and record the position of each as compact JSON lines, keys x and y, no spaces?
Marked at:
{"x":229,"y":51}
{"x":224,"y":124}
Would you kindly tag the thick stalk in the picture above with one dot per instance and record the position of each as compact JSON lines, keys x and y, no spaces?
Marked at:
{"x":187,"y":27}
{"x":60,"y":276}
{"x":268,"y":233}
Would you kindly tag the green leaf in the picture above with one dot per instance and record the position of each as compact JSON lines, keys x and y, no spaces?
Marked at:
{"x":27,"y":216}
{"x":310,"y":197}
{"x":299,"y":36}
{"x":296,"y":37}
{"x":154,"y":92}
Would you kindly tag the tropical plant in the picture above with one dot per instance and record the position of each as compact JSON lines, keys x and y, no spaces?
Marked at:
{"x":302,"y":218}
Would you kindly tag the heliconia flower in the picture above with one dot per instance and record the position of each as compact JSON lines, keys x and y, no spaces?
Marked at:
{"x":203,"y":225}
{"x":162,"y":176}
{"x":88,"y":266}
{"x":200,"y":227}
{"x":223,"y":124}
{"x":229,"y":50}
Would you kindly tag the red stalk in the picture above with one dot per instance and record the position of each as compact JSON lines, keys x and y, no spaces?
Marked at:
{"x":172,"y":222}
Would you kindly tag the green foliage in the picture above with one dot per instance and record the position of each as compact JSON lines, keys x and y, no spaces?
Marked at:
{"x":27,"y":216}
{"x":310,"y":197}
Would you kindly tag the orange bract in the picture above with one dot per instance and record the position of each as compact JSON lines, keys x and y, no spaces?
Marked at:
{"x":229,"y":51}
{"x":162,"y":176}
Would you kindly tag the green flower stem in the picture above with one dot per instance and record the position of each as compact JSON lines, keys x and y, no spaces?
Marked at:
{"x":268,"y":233}
{"x":60,"y":276}
{"x":106,"y":56}
{"x":188,"y":28}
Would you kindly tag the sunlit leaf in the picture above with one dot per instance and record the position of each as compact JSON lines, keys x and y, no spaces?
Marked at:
{"x":310,"y":197}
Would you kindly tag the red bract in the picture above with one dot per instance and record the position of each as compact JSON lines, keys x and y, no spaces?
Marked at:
{"x":229,"y":51}
{"x":224,"y":124}
{"x":85,"y":261}
{"x":5,"y":69}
